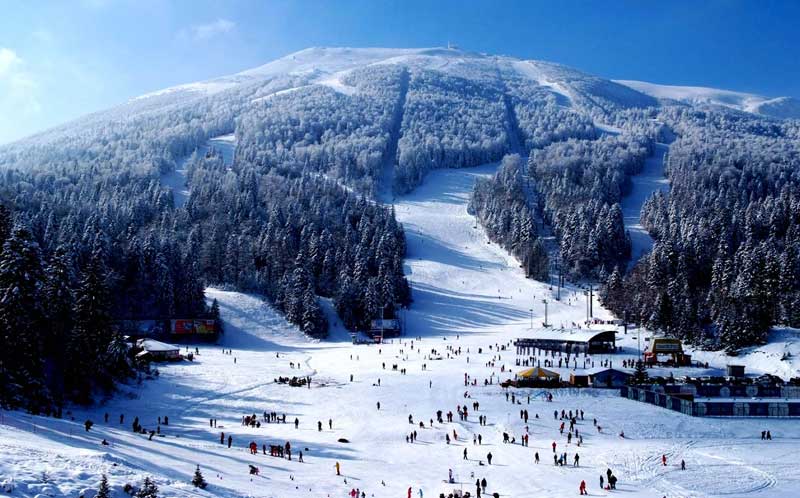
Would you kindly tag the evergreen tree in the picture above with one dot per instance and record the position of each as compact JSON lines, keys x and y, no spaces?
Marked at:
{"x":148,"y":489}
{"x":103,"y":490}
{"x":198,"y":480}
{"x":88,"y":347}
{"x":21,"y":321}
{"x":640,"y":375}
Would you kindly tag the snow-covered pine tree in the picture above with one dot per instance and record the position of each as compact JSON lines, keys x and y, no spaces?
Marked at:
{"x":198,"y":480}
{"x":148,"y":489}
{"x":103,"y":490}
{"x":21,"y":321}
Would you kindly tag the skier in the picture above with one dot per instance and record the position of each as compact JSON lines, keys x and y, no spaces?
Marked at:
{"x":583,"y":488}
{"x":664,"y":460}
{"x":221,"y":438}
{"x":601,"y":482}
{"x":230,"y":441}
{"x":536,"y":457}
{"x":337,"y":469}
{"x":683,"y":465}
{"x":465,"y":453}
{"x":489,"y":457}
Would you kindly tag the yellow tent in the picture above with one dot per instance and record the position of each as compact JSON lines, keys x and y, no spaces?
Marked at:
{"x":538,"y":373}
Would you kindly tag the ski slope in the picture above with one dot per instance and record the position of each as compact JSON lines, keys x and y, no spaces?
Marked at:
{"x":176,"y":180}
{"x":650,"y":180}
{"x":468,"y":294}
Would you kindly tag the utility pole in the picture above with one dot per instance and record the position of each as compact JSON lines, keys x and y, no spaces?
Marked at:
{"x":589,"y":294}
{"x":639,"y":341}
{"x":560,"y":278}
{"x":545,"y":313}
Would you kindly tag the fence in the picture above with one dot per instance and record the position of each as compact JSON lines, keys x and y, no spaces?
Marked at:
{"x":719,"y":407}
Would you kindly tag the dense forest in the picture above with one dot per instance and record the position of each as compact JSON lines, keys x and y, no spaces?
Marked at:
{"x":726,"y":262}
{"x":500,"y":205}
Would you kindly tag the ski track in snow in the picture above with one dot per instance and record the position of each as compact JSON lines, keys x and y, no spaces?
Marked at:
{"x":650,"y":180}
{"x":468,"y":293}
{"x":176,"y":179}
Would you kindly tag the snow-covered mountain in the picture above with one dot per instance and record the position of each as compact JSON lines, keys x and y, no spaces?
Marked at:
{"x":779,"y":107}
{"x":324,"y":66}
{"x":270,"y":181}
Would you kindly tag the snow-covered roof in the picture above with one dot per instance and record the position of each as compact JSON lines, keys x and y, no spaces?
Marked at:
{"x":154,"y":346}
{"x":598,"y":370}
{"x":571,"y":335}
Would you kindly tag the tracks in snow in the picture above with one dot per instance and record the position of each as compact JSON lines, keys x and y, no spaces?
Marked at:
{"x":386,"y":186}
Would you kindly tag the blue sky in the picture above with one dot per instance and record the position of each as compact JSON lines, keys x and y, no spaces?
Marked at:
{"x":60,"y":60}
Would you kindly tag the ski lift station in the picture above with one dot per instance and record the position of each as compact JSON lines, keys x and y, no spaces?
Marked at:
{"x":570,"y":341}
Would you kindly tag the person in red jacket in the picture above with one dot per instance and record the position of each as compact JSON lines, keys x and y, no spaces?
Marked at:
{"x":664,"y":460}
{"x":583,"y":488}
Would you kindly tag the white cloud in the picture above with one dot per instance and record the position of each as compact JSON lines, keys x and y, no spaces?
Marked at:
{"x":18,"y":93}
{"x":9,"y":60}
{"x":201,"y":32}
